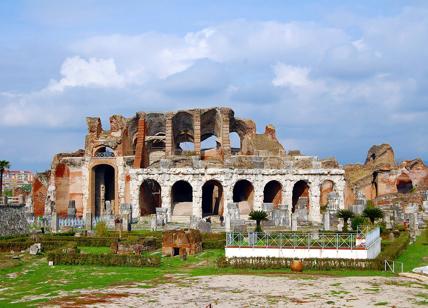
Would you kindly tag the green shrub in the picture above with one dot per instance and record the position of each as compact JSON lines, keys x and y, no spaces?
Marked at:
{"x":283,"y":263}
{"x":394,"y":249}
{"x":357,"y":221}
{"x":101,"y":229}
{"x":59,"y":258}
{"x":214,"y":244}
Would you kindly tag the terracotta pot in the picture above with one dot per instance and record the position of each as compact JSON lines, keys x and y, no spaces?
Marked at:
{"x":296,"y":265}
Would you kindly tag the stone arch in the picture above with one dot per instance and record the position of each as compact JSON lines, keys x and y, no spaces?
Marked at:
{"x":183,"y":132}
{"x":150,"y":197}
{"x":182,"y":198}
{"x":404,"y":183}
{"x":300,"y":198}
{"x":212,"y":198}
{"x":243,"y":194}
{"x":104,"y":151}
{"x":103,"y":186}
{"x":272,"y":193}
{"x":62,"y":187}
{"x":326,"y":187}
{"x":235,"y":142}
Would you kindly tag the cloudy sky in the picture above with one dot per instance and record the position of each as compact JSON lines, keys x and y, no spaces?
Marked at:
{"x":334,"y":77}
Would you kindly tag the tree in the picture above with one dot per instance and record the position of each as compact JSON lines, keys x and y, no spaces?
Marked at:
{"x":372,"y":213}
{"x":258,"y":216}
{"x":4,"y":164}
{"x":345,"y":215}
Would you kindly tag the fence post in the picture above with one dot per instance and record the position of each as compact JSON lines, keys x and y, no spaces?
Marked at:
{"x":337,"y":241}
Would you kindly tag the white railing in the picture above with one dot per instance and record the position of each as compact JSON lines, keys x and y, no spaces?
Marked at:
{"x":393,"y":266}
{"x":307,"y":240}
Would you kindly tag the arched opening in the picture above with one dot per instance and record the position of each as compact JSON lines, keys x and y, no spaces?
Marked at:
{"x":155,"y":149}
{"x":326,"y":187}
{"x":210,"y":143}
{"x":150,"y":197}
{"x":104,"y":152}
{"x":212,"y":198}
{"x":300,"y":197}
{"x":182,"y":198}
{"x":404,"y":184}
{"x":104,"y":190}
{"x":235,"y":142}
{"x":182,"y":123}
{"x":243,"y":194}
{"x":272,"y":193}
{"x":62,"y":186}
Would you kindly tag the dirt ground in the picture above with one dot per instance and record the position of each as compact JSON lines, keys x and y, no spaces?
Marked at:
{"x":257,"y":291}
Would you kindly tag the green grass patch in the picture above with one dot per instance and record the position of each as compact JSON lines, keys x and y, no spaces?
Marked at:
{"x":94,"y":250}
{"x":415,"y":253}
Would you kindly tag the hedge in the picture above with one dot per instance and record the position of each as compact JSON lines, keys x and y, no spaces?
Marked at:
{"x":214,"y":244}
{"x":313,"y":264}
{"x":60,"y":258}
{"x":389,"y":252}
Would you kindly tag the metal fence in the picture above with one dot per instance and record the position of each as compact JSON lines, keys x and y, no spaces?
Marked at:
{"x":62,"y":222}
{"x":302,"y":240}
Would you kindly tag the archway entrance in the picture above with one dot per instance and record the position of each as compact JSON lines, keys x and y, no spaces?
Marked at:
{"x":243,"y":194}
{"x":212,"y":198}
{"x":272,"y":193}
{"x":182,"y":198}
{"x":300,"y":195}
{"x":104,"y":190}
{"x":150,"y":197}
{"x":404,"y":184}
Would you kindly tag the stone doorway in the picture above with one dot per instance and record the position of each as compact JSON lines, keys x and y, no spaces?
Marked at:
{"x":104,"y":189}
{"x":150,"y":197}
{"x":212,"y":198}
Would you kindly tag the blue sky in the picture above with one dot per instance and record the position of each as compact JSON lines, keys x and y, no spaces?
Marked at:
{"x":334,"y":77}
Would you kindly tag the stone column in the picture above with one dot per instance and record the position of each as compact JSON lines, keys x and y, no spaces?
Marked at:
{"x":197,"y":131}
{"x":166,"y":200}
{"x":197,"y":201}
{"x":225,"y":131}
{"x":169,"y":136}
{"x":314,"y":205}
{"x":139,"y":147}
{"x":340,"y":188}
{"x":287,"y":197}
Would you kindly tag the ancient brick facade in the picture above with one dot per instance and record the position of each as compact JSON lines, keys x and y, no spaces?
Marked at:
{"x":164,"y":160}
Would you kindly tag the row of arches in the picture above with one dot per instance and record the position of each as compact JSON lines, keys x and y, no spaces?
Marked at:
{"x":213,"y":196}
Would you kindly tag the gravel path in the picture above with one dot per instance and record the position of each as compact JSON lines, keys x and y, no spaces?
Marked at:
{"x":258,"y":291}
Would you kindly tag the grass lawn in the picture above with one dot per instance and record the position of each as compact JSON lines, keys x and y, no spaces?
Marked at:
{"x":29,"y":280}
{"x":416,"y":254}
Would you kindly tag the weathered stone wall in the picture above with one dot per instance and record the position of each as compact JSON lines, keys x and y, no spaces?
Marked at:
{"x":197,"y":177}
{"x":13,"y":220}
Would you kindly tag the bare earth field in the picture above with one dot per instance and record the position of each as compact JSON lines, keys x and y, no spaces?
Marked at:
{"x":257,"y":291}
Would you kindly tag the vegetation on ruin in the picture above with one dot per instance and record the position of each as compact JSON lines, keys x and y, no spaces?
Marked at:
{"x":373,"y":213}
{"x":258,"y":216}
{"x":345,"y":214}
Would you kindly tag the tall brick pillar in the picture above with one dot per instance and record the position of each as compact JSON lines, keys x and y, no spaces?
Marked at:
{"x":169,"y":136}
{"x":225,"y":130}
{"x":197,"y":131}
{"x":141,"y":138}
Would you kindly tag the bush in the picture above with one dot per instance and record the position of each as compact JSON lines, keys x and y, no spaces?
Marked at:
{"x":214,"y":244}
{"x":101,"y":229}
{"x":59,"y":258}
{"x":393,"y":250}
{"x":283,"y":263}
{"x":357,"y":221}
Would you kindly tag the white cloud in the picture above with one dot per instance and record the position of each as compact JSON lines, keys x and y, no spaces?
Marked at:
{"x":78,"y":72}
{"x":291,"y":76}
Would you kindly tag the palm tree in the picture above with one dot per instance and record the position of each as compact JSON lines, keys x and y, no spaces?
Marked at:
{"x":345,"y":215}
{"x":258,"y":216}
{"x":4,"y":164}
{"x":372,"y":213}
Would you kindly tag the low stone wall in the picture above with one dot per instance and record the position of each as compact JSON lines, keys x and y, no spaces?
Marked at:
{"x":13,"y":220}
